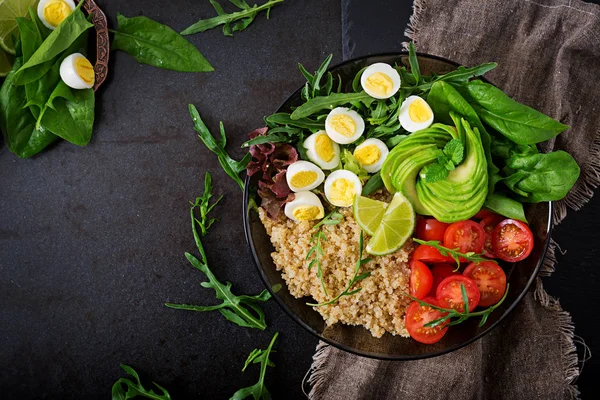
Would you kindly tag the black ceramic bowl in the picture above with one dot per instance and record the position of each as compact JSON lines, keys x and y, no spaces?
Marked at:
{"x":357,"y":339}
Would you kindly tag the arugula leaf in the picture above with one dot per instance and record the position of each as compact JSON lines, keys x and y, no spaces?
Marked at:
{"x":459,"y":75}
{"x":58,"y":41}
{"x":258,"y":391}
{"x":153,"y":43}
{"x":316,"y":241}
{"x":329,"y":102}
{"x":125,"y":388}
{"x":242,"y":310}
{"x":279,"y":119}
{"x":414,"y":63}
{"x":313,"y":88}
{"x":242,"y":18}
{"x":373,"y":184}
{"x":204,"y":206}
{"x":455,"y":253}
{"x":230,"y":166}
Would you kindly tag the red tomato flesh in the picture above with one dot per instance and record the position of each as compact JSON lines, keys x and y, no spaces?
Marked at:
{"x":481,"y":214}
{"x":465,"y":236}
{"x":449,"y":293}
{"x":420,"y":279}
{"x":441,"y":272}
{"x":488,"y":224}
{"x":512,"y":240}
{"x":417,"y":316}
{"x":429,"y":254}
{"x":431,"y":229}
{"x":490,"y":279}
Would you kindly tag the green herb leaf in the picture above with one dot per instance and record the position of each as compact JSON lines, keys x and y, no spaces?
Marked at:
{"x":505,"y":206}
{"x":126,"y":388}
{"x":459,"y":75}
{"x":434,"y":172}
{"x":242,"y":19}
{"x":153,"y":43}
{"x":258,"y":391}
{"x":58,"y":41}
{"x":284,"y":119}
{"x":455,"y":253}
{"x":373,"y":184}
{"x":317,"y":239}
{"x":329,"y":102}
{"x":414,"y":63}
{"x":204,"y":205}
{"x":313,"y":82}
{"x":230,"y":166}
{"x":455,"y":151}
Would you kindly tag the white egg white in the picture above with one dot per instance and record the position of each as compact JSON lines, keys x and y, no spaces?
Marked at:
{"x":303,"y":199}
{"x":342,"y":174}
{"x":69,"y":74}
{"x":383,"y":153}
{"x":303,"y":166}
{"x":310,"y":144}
{"x":384,"y":69}
{"x":404,"y":117}
{"x":338,"y":137}
{"x":42,"y":5}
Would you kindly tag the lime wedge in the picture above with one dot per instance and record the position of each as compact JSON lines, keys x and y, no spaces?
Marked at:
{"x":397,"y":225}
{"x":6,"y":61}
{"x":9,"y":11}
{"x":368,"y":213}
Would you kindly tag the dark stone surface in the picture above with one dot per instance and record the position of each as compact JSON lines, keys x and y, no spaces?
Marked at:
{"x":92,"y":239}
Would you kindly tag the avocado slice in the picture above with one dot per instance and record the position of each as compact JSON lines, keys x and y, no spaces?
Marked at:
{"x":463,"y":192}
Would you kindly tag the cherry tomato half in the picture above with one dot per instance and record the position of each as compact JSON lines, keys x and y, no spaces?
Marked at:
{"x":512,"y":240}
{"x":490,"y":279}
{"x":429,"y":254}
{"x":449,"y":293}
{"x":439,"y":273}
{"x":488,"y":224}
{"x":417,"y":316}
{"x":465,"y":236}
{"x":431,"y":229}
{"x":420,"y":279}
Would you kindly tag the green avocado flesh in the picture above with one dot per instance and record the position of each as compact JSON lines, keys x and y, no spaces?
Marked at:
{"x":457,"y":197}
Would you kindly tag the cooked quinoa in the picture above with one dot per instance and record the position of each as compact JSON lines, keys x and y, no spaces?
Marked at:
{"x":381,"y":303}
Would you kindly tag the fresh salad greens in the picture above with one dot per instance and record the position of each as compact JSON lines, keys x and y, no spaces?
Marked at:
{"x":316,"y":251}
{"x":348,"y":291}
{"x":258,"y":391}
{"x":230,"y":166}
{"x":126,"y":388}
{"x":204,"y":206}
{"x":232,"y":22}
{"x":153,"y":43}
{"x":242,"y":310}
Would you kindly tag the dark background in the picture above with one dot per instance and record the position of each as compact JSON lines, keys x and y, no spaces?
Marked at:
{"x":92,"y":239}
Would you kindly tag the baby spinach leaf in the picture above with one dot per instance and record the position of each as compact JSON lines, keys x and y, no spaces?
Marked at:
{"x":57,"y":42}
{"x":542,"y":177}
{"x":258,"y":391}
{"x":242,"y":18}
{"x":230,"y":166}
{"x":126,"y":388}
{"x":505,"y":149}
{"x":505,"y":206}
{"x":517,"y":122}
{"x":152,"y":43}
{"x":329,"y":102}
{"x":16,"y":121}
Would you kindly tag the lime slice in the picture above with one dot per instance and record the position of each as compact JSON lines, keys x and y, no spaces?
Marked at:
{"x":9,"y":11}
{"x":397,"y":225}
{"x":368,"y":213}
{"x":6,"y":61}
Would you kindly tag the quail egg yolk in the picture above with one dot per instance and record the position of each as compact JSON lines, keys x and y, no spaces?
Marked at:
{"x":367,"y":155}
{"x":56,"y":11}
{"x":303,"y":178}
{"x":380,"y":84}
{"x":342,"y":191}
{"x":418,"y":111}
{"x":343,"y":124}
{"x":324,"y":148}
{"x":84,"y":69}
{"x":306,"y":213}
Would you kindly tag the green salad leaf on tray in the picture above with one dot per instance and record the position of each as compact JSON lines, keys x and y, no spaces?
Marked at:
{"x":258,"y":391}
{"x":128,"y":388}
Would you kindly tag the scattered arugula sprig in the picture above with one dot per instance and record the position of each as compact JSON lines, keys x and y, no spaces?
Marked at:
{"x":355,"y":279}
{"x":461,"y":316}
{"x":258,"y":390}
{"x":232,"y":167}
{"x":134,"y":388}
{"x":237,"y":309}
{"x":449,"y":158}
{"x":241,"y":19}
{"x":316,"y":251}
{"x":203,"y":205}
{"x":313,"y":86}
{"x":454,"y":253}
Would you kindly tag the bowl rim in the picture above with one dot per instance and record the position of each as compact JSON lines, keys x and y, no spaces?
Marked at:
{"x":379,"y":356}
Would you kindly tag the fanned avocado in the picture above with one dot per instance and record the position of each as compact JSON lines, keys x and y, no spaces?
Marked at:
{"x":463,"y":192}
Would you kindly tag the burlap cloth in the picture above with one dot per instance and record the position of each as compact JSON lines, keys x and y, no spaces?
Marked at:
{"x":549,"y":58}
